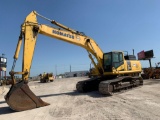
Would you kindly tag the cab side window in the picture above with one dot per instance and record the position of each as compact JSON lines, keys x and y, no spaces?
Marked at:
{"x":120,"y":57}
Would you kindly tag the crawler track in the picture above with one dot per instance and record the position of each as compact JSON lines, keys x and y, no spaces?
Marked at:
{"x":108,"y":87}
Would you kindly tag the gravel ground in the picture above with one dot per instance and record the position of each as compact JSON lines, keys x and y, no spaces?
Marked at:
{"x":66,"y":103}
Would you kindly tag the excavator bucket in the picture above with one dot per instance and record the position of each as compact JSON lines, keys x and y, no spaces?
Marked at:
{"x":20,"y":98}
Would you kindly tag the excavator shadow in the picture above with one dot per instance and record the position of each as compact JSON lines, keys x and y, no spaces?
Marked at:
{"x":94,"y":94}
{"x":1,"y":102}
{"x":6,"y":110}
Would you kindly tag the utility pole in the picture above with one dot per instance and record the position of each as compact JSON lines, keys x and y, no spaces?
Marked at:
{"x":70,"y":68}
{"x":56,"y":69}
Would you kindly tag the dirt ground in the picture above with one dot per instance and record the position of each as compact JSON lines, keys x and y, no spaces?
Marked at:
{"x":67,"y":104}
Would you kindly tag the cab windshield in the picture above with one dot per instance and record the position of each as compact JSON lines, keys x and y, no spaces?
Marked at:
{"x":112,"y":59}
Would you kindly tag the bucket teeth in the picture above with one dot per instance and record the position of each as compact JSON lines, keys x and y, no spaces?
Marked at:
{"x":20,"y":98}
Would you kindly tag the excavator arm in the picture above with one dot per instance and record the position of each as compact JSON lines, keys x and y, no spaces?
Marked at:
{"x":20,"y":97}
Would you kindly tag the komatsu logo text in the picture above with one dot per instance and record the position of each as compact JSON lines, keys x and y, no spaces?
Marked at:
{"x":63,"y":34}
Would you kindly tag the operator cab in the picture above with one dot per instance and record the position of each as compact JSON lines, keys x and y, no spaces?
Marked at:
{"x":115,"y":59}
{"x":112,"y":59}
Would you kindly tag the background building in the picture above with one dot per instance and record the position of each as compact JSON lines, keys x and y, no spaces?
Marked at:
{"x":76,"y":74}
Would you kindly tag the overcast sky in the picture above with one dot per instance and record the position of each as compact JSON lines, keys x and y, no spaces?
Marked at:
{"x":113,"y":24}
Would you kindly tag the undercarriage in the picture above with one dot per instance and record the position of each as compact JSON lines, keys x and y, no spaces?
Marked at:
{"x":109,"y":86}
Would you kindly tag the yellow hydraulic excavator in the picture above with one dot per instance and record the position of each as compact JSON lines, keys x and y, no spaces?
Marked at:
{"x":114,"y":70}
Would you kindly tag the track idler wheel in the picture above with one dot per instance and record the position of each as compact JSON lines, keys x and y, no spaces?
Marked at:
{"x":20,"y":98}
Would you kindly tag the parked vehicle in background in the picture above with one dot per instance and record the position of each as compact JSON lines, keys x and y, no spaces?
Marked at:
{"x":46,"y":77}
